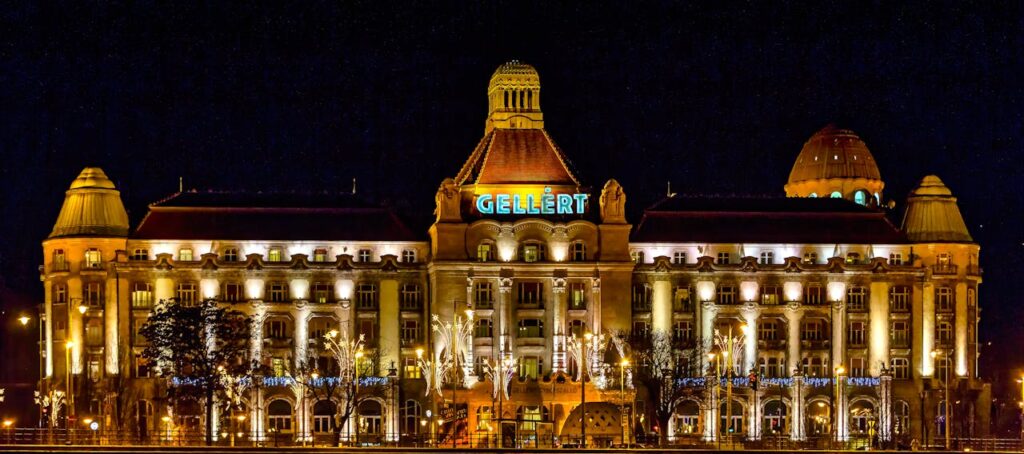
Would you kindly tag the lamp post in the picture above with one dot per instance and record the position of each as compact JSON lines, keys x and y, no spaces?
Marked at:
{"x":69,"y":415}
{"x":622,"y":405}
{"x":355,"y":395}
{"x":949,"y":408}
{"x":836,"y":396}
{"x":714,"y":392}
{"x":587,"y":337}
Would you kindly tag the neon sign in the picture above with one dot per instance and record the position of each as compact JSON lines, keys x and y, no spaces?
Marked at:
{"x":526,"y":204}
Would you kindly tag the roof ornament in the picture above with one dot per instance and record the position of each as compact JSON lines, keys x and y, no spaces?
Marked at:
{"x":613,"y":203}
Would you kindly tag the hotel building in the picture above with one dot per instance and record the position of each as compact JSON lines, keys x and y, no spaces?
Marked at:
{"x":818,"y":284}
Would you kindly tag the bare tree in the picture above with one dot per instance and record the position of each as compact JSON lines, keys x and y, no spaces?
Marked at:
{"x":660,"y":371}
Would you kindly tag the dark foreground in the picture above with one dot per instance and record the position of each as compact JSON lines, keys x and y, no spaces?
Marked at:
{"x":227,"y":450}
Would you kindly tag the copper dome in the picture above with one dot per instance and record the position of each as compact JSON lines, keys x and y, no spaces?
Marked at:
{"x":834,"y":152}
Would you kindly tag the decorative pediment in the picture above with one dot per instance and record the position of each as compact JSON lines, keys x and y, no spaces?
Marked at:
{"x":344,"y":262}
{"x":208,"y":261}
{"x":254,"y":262}
{"x":792,"y":265}
{"x":389,"y":263}
{"x":662,"y":264}
{"x":163,"y":262}
{"x":836,"y":265}
{"x":748,"y":264}
{"x":705,"y":264}
{"x":879,"y":265}
{"x":299,"y":262}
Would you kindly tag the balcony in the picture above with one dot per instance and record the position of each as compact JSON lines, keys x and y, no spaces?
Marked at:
{"x":774,"y":344}
{"x":974,"y":270}
{"x":411,"y":306}
{"x":277,"y":342}
{"x":817,"y":344}
{"x":59,"y":267}
{"x":641,"y":306}
{"x":92,"y":266}
{"x":944,"y":269}
{"x":484,"y":304}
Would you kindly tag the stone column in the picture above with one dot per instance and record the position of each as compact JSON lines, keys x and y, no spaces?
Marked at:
{"x":300,"y":335}
{"x":557,"y":318}
{"x":885,"y":404}
{"x":842,"y":410}
{"x":75,"y":326}
{"x":661,"y":305}
{"x":110,"y":316}
{"x":711,"y":404}
{"x":708,"y":312}
{"x":878,"y":345}
{"x":838,"y":334}
{"x":960,"y":324}
{"x":595,"y":307}
{"x":756,"y":416}
{"x":793,"y":315}
{"x":750,"y":312}
{"x":506,"y":332}
{"x":258,"y":313}
{"x":389,"y":338}
{"x":927,"y":330}
{"x":796,"y":392}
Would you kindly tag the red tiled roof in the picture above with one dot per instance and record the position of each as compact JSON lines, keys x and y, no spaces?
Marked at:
{"x":275,"y":217}
{"x":778,"y":220}
{"x":516,"y":156}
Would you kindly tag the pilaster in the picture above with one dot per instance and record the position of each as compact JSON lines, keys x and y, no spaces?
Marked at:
{"x":793,"y":315}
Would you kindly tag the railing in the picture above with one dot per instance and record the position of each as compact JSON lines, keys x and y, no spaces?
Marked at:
{"x":485,"y":304}
{"x":641,"y":306}
{"x":92,"y":266}
{"x":944,"y":269}
{"x":974,"y":270}
{"x":60,"y":267}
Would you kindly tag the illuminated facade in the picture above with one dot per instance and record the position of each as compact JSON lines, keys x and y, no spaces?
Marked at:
{"x":820,"y":280}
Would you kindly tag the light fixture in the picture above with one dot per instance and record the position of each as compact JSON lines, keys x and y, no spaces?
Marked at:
{"x":24,"y":320}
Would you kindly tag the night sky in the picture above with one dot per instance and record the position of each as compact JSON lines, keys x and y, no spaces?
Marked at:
{"x":715,"y":97}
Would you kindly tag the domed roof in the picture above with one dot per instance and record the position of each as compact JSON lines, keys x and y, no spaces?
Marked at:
{"x":933,"y":215}
{"x":514,"y":74}
{"x":92,"y":207}
{"x":834,"y":153}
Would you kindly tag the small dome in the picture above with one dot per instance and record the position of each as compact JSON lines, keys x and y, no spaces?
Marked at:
{"x":92,"y":207}
{"x":933,"y":216}
{"x":835,"y":162}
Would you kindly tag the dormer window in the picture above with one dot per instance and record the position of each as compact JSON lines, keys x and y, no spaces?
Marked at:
{"x":678,"y":258}
{"x":364,"y":255}
{"x":185,"y":255}
{"x":532,"y":252}
{"x":852,"y":258}
{"x":896,"y":258}
{"x":93,"y":258}
{"x":723,"y":258}
{"x":485,"y":252}
{"x":139,"y":254}
{"x":274,"y":255}
{"x":768,"y":258}
{"x":320,"y":255}
{"x":408,"y":256}
{"x":230,"y":254}
{"x":810,"y":258}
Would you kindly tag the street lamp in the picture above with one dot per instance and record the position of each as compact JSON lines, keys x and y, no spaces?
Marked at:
{"x":70,"y":414}
{"x":949,"y":408}
{"x":24,"y":320}
{"x":355,"y":396}
{"x":587,"y":337}
{"x":837,"y":396}
{"x":622,"y":406}
{"x":167,"y":427}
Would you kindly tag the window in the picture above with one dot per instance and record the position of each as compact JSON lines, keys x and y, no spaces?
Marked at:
{"x":484,"y":252}
{"x":274,"y":255}
{"x":484,"y":415}
{"x":529,"y":367}
{"x":678,"y":258}
{"x":483,"y":295}
{"x":364,"y":255}
{"x":641,"y":328}
{"x":368,"y":328}
{"x":579,"y":251}
{"x":94,"y":369}
{"x":530,"y":294}
{"x":944,"y":333}
{"x":856,"y":298}
{"x":410,"y":331}
{"x":899,"y":334}
{"x":532,"y":252}
{"x":92,"y":294}
{"x":279,"y":416}
{"x":767,"y":258}
{"x":896,"y":258}
{"x":814,"y":294}
{"x":855,"y":334}
{"x":900,"y":368}
{"x":577,"y":328}
{"x":681,"y":300}
{"x":771,"y":295}
{"x":813,"y":366}
{"x":323,"y":417}
{"x":278,"y":292}
{"x":767,"y":330}
{"x":276,"y":329}
{"x":366,"y":296}
{"x":723,"y":258}
{"x":529,"y":415}
{"x":230,"y":254}
{"x":637,"y":256}
{"x":857,"y":366}
{"x":641,"y":297}
{"x":94,"y":332}
{"x":411,"y":369}
{"x":92,"y":258}
{"x":943,"y":260}
{"x":811,"y":330}
{"x":837,"y":195}
{"x":185,"y":255}
{"x":408,"y":256}
{"x":942,"y":367}
{"x":682,"y":331}
{"x":726,"y":294}
{"x":410,"y":297}
{"x":139,"y":254}
{"x":60,"y":262}
{"x":772,"y":367}
{"x":141,"y":366}
{"x":860,"y":198}
{"x":483,"y":327}
{"x":142,"y":295}
{"x":531,"y":327}
{"x":944,"y":299}
{"x":320,"y":326}
{"x":320,"y":254}
{"x":810,"y":258}
{"x":232,"y":292}
{"x":60,"y":293}
{"x":899,"y":298}
{"x":852,"y":258}
{"x":323,"y":292}
{"x":577,"y":295}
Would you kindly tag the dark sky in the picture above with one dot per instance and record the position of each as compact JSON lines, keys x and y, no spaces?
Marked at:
{"x":716,"y":97}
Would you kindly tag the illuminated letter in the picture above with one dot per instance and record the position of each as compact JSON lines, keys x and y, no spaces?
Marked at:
{"x":502,"y":201}
{"x":547,"y":202}
{"x":517,"y":205}
{"x":581,"y":200}
{"x":531,"y":208}
{"x":484,"y":204}
{"x":564,"y":203}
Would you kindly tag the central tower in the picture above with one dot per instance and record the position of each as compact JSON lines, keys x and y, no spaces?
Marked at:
{"x":513,"y":98}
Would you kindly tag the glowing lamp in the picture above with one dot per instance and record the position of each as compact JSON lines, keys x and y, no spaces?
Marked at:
{"x":343,"y":287}
{"x":209,"y":288}
{"x":792,"y":291}
{"x":748,"y":290}
{"x":82,"y":308}
{"x":706,"y":290}
{"x":836,"y":291}
{"x":419,"y":353}
{"x":254,"y":289}
{"x":24,"y":320}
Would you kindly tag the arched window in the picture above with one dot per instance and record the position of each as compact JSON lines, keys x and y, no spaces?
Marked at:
{"x":775,"y":417}
{"x":901,"y":421}
{"x":411,"y":412}
{"x":836,"y":195}
{"x":279,"y":416}
{"x":813,"y":195}
{"x":370,"y":419}
{"x":485,"y":251}
{"x":323,"y":416}
{"x":532,"y":252}
{"x":860,"y":197}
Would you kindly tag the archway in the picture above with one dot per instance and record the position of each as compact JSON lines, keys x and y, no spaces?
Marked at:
{"x":686,"y":419}
{"x":279,"y":417}
{"x":819,"y":417}
{"x":323,"y":417}
{"x":371,"y":421}
{"x":732,"y":418}
{"x":776,"y":414}
{"x":863,"y":414}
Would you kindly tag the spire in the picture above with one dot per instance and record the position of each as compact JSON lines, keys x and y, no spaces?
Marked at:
{"x":933,"y":216}
{"x":513,"y":98}
{"x":92,"y":207}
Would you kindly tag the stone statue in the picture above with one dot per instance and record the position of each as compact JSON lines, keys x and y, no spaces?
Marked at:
{"x":613,"y":203}
{"x":447,"y":199}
